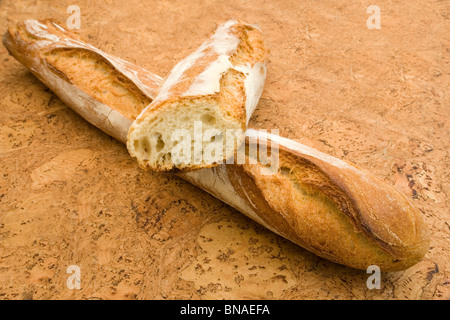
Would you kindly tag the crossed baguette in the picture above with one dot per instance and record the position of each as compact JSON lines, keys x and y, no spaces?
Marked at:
{"x":319,"y":202}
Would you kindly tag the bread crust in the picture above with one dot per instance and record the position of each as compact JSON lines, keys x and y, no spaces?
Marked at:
{"x":372,"y":223}
{"x":31,"y":42}
{"x":319,"y":202}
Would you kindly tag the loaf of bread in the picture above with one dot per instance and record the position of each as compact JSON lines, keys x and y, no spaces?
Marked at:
{"x":57,"y":56}
{"x":321,"y":203}
{"x":205,"y":101}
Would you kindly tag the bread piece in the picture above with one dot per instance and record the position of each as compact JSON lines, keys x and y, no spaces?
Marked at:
{"x":77,"y":72}
{"x":321,"y":203}
{"x":210,"y":96}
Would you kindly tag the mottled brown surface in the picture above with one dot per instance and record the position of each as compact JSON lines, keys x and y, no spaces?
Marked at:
{"x":69,"y":194}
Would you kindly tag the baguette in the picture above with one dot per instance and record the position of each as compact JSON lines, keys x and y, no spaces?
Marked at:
{"x":323,"y":204}
{"x":319,"y":202}
{"x":218,"y":86}
{"x":54,"y":55}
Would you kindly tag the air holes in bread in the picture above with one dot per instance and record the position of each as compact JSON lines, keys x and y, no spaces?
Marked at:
{"x":208,"y":119}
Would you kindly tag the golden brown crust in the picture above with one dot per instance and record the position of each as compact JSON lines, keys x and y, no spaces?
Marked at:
{"x":250,"y":50}
{"x":37,"y":42}
{"x":344,"y":214}
{"x":33,"y":40}
{"x":66,"y":64}
{"x":100,"y":79}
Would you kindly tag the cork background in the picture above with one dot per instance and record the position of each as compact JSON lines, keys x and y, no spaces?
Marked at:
{"x":71,"y":195}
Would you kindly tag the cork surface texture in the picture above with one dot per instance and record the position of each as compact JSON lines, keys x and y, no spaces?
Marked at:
{"x":71,"y":195}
